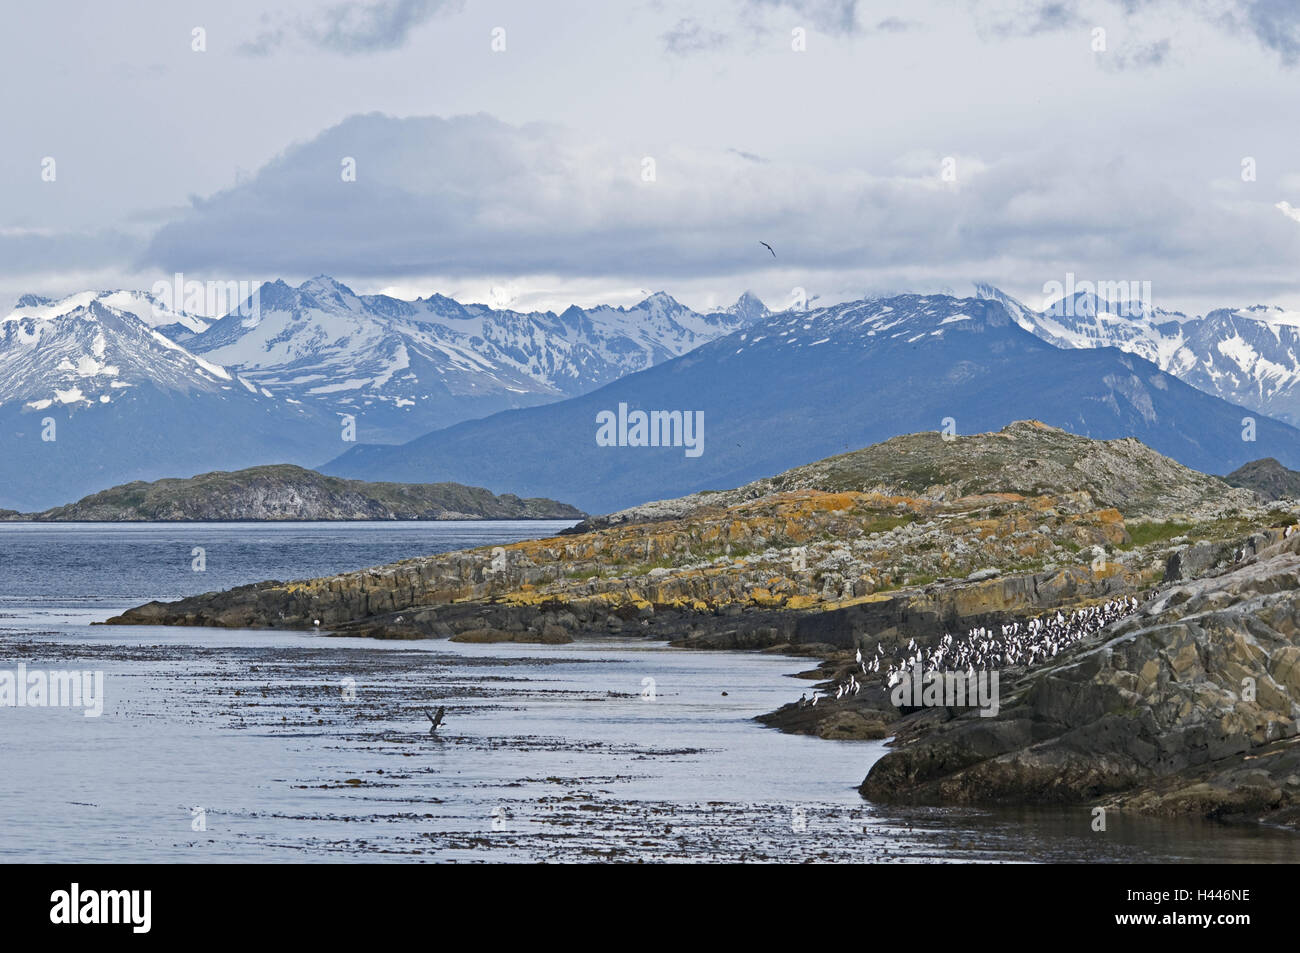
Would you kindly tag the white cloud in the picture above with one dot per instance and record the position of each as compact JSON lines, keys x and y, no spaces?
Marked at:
{"x":472,"y":198}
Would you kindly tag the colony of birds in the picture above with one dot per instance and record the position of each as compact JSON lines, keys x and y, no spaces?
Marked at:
{"x":984,"y":649}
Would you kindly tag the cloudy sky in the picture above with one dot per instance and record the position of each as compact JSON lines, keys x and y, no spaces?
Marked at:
{"x":546,"y":152}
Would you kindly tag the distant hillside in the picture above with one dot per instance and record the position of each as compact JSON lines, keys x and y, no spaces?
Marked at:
{"x":286,"y":492}
{"x":1026,"y":457}
{"x":1268,"y":478}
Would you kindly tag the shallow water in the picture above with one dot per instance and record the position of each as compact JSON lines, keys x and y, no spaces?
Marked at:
{"x":293,"y":746}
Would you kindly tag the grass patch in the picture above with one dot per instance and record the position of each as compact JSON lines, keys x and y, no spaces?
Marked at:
{"x":1142,"y":534}
{"x":885,"y":522}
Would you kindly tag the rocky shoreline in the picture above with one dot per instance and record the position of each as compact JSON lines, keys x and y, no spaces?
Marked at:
{"x":1148,"y":715}
{"x":1189,"y":706}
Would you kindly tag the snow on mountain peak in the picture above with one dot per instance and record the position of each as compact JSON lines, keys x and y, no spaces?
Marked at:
{"x":141,"y":304}
{"x":749,"y":307}
{"x":660,"y":300}
{"x":89,"y":353}
{"x":1247,"y":356}
{"x":413,"y":366}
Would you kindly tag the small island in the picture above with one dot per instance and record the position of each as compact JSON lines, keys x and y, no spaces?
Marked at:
{"x":284,"y":492}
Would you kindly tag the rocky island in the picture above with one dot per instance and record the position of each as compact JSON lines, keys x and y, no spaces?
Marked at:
{"x":1187,"y":702}
{"x":285,"y":492}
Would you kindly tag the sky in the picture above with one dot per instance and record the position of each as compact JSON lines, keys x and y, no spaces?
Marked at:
{"x":542,"y":153}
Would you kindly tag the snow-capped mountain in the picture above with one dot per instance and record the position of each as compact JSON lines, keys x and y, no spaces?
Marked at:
{"x":140,"y":391}
{"x":89,"y":353}
{"x":1248,"y":356}
{"x":91,"y":395}
{"x":799,"y":386}
{"x":404,"y":368}
{"x":269,"y":383}
{"x":179,"y":326}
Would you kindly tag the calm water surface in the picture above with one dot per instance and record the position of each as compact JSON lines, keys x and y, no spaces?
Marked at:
{"x":222,"y":745}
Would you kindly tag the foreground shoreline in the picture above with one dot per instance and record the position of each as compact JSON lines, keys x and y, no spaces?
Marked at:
{"x":1189,"y":705}
{"x":382,"y":789}
{"x":830,"y":637}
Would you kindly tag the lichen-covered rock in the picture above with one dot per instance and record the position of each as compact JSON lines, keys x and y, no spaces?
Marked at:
{"x":935,"y":537}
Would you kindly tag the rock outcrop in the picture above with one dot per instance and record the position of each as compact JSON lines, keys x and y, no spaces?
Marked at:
{"x":804,"y":559}
{"x":1027,"y":458}
{"x":1189,"y":706}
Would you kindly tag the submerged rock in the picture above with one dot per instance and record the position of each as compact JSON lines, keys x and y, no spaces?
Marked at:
{"x":551,"y":635}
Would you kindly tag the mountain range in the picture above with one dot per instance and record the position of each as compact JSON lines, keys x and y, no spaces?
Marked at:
{"x":138,"y":391}
{"x":1247,"y":356}
{"x":798,"y":386}
{"x":92,"y":395}
{"x":403,"y":368}
{"x":434,"y":389}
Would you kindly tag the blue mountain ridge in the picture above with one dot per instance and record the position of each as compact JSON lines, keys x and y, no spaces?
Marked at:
{"x":799,"y":386}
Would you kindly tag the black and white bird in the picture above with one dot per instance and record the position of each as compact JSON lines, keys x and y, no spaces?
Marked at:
{"x":1012,"y":644}
{"x":768,"y":247}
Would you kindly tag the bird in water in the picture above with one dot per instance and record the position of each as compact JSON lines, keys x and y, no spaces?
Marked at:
{"x":435,"y":719}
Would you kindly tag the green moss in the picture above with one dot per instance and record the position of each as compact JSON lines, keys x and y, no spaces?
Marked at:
{"x":885,"y":522}
{"x":1142,"y":534}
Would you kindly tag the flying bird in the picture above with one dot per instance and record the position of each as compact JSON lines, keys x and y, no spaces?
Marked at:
{"x":435,"y":719}
{"x":768,"y":247}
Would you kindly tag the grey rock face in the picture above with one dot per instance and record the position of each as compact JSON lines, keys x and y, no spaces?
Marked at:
{"x":1164,"y":713}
